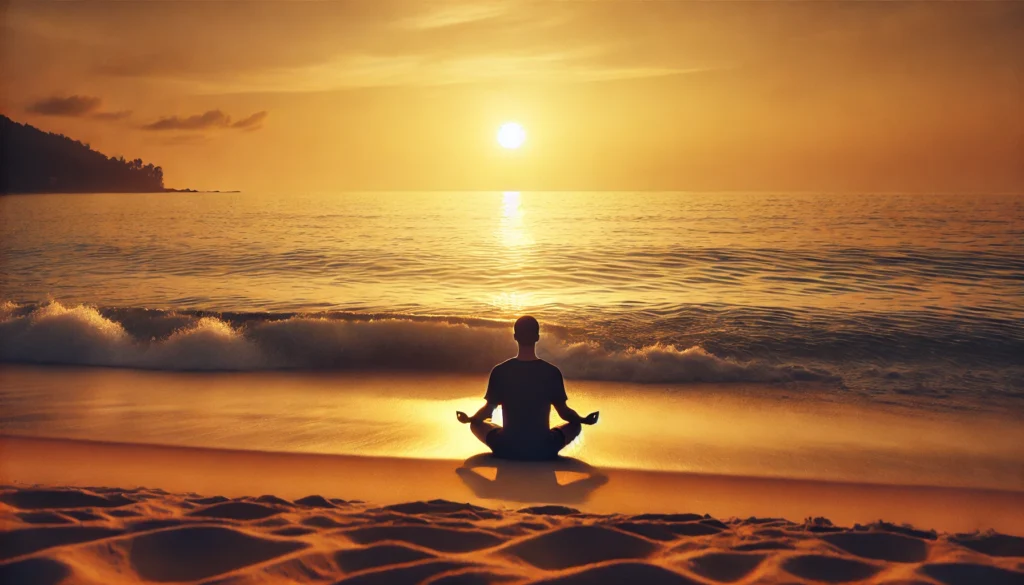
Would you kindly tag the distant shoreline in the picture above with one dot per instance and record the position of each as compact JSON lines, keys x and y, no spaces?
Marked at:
{"x":96,"y":192}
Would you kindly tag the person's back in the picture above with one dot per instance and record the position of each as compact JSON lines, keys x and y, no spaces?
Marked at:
{"x":526,"y":390}
{"x":526,"y":387}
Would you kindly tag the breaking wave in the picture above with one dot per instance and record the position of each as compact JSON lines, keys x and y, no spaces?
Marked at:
{"x":81,"y":335}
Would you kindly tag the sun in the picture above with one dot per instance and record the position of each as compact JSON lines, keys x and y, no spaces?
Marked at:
{"x":511,"y":135}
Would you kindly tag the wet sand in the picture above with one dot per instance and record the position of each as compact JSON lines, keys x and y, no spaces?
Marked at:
{"x":781,"y":431}
{"x":485,"y":481}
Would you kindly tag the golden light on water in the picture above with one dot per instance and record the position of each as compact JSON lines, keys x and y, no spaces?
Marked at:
{"x":513,"y":234}
{"x":512,"y":229}
{"x":511,"y":135}
{"x":512,"y":205}
{"x":512,"y":303}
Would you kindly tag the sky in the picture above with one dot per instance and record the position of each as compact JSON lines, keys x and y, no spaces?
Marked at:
{"x":614,"y":95}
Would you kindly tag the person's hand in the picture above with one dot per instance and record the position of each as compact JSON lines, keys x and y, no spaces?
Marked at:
{"x":463,"y":417}
{"x":590,"y":418}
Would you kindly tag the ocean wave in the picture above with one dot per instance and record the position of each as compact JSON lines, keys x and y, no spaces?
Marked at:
{"x":54,"y":333}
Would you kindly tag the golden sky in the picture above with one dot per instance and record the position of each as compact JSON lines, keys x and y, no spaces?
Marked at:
{"x":666,"y":95}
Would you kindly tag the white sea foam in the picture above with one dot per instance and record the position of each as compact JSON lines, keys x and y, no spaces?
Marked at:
{"x":81,"y":335}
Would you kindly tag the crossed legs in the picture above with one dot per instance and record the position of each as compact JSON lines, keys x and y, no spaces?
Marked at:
{"x":569,"y":432}
{"x":483,"y":428}
{"x":490,"y":434}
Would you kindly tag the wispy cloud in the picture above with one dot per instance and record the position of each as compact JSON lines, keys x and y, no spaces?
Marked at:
{"x":75,"y":106}
{"x":71,"y":106}
{"x":210,"y":120}
{"x":253,"y":122}
{"x":390,"y":44}
{"x":366,"y":71}
{"x":454,"y":13}
{"x":204,"y":121}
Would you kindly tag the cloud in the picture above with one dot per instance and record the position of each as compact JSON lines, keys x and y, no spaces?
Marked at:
{"x":253,"y":122}
{"x":209,"y":120}
{"x":386,"y":44}
{"x":325,"y":46}
{"x":71,"y":106}
{"x":75,"y":106}
{"x":204,"y":121}
{"x":452,"y":14}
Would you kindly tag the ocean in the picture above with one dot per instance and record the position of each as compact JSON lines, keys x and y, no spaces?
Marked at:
{"x":870,"y":307}
{"x":909,"y":295}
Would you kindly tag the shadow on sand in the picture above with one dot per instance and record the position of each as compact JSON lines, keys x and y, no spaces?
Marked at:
{"x":531,"y":481}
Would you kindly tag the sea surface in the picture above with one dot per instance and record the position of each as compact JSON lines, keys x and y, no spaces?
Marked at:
{"x":915,"y":298}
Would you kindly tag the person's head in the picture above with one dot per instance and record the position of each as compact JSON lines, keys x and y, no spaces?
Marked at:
{"x":527,"y":330}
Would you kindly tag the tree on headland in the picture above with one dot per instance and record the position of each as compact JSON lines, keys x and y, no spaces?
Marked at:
{"x":34,"y":161}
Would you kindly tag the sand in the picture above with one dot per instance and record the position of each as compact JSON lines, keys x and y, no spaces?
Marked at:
{"x":379,"y":520}
{"x":104,"y":535}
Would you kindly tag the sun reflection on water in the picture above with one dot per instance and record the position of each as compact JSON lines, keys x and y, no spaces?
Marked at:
{"x":515,"y":238}
{"x":512,"y":231}
{"x":511,"y":303}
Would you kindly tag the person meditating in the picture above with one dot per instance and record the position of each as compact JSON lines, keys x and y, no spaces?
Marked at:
{"x":526,"y":387}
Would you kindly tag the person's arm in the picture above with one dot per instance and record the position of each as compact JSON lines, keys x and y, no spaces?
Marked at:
{"x":559,"y":400}
{"x":571,"y":416}
{"x":486,"y":411}
{"x":567,"y":413}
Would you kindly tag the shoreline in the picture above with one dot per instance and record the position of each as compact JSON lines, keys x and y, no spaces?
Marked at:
{"x":736,"y":430}
{"x":98,"y":443}
{"x":388,"y":480}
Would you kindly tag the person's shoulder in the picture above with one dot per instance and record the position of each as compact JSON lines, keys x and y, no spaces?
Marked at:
{"x":550,"y":366}
{"x":504,"y":365}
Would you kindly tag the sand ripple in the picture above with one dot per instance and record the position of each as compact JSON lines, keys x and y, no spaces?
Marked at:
{"x":73,"y":536}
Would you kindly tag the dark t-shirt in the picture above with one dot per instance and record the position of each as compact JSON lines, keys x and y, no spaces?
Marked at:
{"x":525,"y":390}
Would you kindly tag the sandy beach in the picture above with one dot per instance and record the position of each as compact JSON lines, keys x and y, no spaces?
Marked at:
{"x":201,"y":518}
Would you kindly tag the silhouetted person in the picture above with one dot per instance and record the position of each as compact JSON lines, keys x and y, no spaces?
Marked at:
{"x":526,"y":387}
